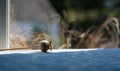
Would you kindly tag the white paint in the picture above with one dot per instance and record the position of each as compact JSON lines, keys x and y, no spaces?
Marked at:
{"x":18,"y":51}
{"x":7,"y":23}
{"x":69,"y":50}
{"x":36,"y":51}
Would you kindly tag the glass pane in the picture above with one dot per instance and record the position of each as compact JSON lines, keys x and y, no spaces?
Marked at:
{"x":31,"y":21}
{"x":2,"y":23}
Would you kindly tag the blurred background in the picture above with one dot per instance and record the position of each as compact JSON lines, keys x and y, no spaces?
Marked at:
{"x":67,"y":23}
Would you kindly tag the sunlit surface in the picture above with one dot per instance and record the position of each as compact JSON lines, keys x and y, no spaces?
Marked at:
{"x":61,"y":60}
{"x":35,"y":51}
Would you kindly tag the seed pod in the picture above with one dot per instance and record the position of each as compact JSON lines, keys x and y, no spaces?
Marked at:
{"x":45,"y":45}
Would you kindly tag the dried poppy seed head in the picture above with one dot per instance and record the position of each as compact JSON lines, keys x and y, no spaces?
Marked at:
{"x":45,"y":45}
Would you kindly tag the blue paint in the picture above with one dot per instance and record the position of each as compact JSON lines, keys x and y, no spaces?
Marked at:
{"x":96,"y":60}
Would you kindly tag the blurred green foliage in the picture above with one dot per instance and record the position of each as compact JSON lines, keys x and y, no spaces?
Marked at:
{"x":90,"y":12}
{"x":89,"y":17}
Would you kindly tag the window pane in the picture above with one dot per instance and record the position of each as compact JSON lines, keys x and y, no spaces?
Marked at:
{"x":2,"y":23}
{"x":31,"y":21}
